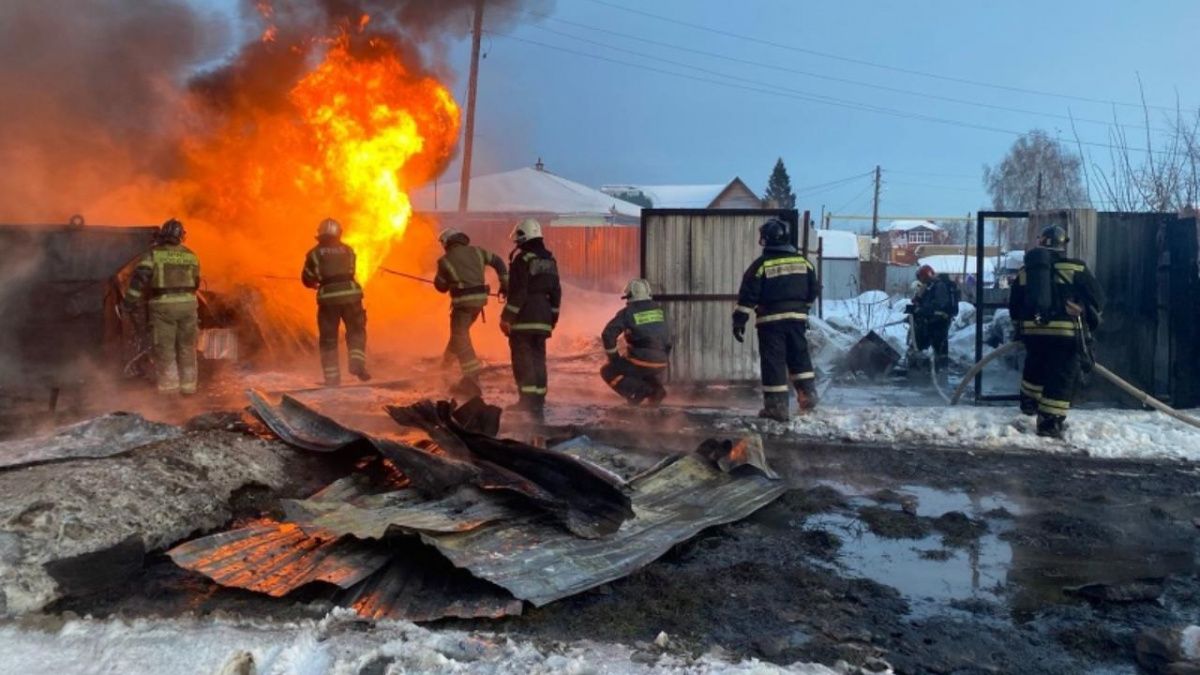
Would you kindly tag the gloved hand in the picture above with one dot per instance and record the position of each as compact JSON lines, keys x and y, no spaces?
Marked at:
{"x":502,"y":294}
{"x":739,"y":332}
{"x":505,"y":328}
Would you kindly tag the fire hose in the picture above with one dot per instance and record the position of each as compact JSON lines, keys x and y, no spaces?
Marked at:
{"x":1141,"y":396}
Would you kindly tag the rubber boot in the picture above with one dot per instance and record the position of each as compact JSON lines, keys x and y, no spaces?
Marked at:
{"x":534,"y":406}
{"x":359,"y":370}
{"x":1029,"y":405}
{"x":466,"y":388}
{"x":775,"y":407}
{"x":806,"y":395}
{"x":1051,"y":426}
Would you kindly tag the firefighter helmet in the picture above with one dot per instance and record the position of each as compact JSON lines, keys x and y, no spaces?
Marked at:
{"x":171,"y":232}
{"x":636,"y":289}
{"x":329,"y":228}
{"x":1053,"y":237}
{"x":450,"y":234}
{"x":774,"y":232}
{"x":926,"y":273}
{"x":525,"y":230}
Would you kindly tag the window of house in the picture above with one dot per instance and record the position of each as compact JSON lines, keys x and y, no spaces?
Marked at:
{"x":920,"y":237}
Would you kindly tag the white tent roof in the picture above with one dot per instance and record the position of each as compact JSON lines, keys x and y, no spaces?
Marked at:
{"x":673,"y":196}
{"x":838,"y":244}
{"x":905,"y":225}
{"x":953,"y":264}
{"x":524,"y":190}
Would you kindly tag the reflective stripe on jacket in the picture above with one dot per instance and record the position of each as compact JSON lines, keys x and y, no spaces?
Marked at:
{"x":778,"y":286}
{"x":534,"y":290}
{"x":461,"y":272}
{"x":329,"y":267}
{"x":168,"y":273}
{"x":647,"y":336}
{"x":1076,"y":285}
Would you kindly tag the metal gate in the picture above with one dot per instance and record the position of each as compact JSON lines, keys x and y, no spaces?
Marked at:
{"x":694,"y":260}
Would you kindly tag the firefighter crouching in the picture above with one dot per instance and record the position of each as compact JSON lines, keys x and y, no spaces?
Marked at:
{"x":933,"y":308}
{"x":779,"y":287}
{"x":460,"y":272}
{"x":167,"y":277}
{"x":329,"y":268}
{"x":1055,"y":304}
{"x":529,"y":317}
{"x":637,"y":376}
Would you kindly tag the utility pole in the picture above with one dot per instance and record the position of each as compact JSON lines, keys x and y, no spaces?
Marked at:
{"x":464,"y":183}
{"x":1037,"y":202}
{"x":875,"y":218}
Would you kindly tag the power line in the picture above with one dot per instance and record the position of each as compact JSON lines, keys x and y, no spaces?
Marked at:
{"x":771,"y":89}
{"x":929,"y":185}
{"x":872,"y":64}
{"x":833,"y":183}
{"x":853,"y":200}
{"x":821,"y":76}
{"x":931,"y":173}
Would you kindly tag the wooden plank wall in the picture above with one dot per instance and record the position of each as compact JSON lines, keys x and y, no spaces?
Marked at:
{"x":703,"y":254}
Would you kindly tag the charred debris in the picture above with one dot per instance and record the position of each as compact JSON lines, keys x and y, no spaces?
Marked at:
{"x":441,"y":518}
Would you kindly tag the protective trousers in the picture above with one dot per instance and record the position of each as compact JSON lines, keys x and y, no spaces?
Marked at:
{"x":174,"y":328}
{"x":1051,"y":375}
{"x":460,"y":347}
{"x":329,"y":318}
{"x":783,"y":358}
{"x":529,"y":366}
{"x":632,"y":382}
{"x":933,"y":331}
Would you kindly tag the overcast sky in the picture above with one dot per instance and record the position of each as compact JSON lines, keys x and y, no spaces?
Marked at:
{"x":599,"y":121}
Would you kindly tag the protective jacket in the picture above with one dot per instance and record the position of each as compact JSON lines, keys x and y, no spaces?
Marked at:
{"x":1072,"y":286}
{"x":646,"y":334}
{"x":166,"y":274}
{"x":329,"y":268}
{"x":534,"y":291}
{"x":779,"y":286}
{"x":461,"y":272}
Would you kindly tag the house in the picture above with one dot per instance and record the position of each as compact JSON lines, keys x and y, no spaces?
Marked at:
{"x":899,"y":239}
{"x":732,"y":195}
{"x":594,"y":236}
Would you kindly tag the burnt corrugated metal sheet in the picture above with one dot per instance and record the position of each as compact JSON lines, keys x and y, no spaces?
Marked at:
{"x":277,"y":558}
{"x":370,"y":516}
{"x":105,"y":436}
{"x":422,"y":586}
{"x":541,"y":563}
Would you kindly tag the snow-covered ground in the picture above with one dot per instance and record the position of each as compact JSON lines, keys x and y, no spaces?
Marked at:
{"x":1099,"y":433}
{"x":339,"y":644}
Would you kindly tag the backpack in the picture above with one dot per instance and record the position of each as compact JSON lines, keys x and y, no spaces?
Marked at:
{"x":943,"y":297}
{"x":1041,"y":301}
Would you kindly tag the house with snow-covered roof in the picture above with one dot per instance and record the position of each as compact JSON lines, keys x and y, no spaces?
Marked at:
{"x":899,"y":239}
{"x":732,"y":195}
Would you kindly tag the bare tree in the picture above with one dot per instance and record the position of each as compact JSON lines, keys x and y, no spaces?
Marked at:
{"x":1037,"y":173}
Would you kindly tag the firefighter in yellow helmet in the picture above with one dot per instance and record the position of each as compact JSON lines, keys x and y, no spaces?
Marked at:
{"x":167,"y":278}
{"x":637,"y":375}
{"x":461,"y":273}
{"x":329,"y":268}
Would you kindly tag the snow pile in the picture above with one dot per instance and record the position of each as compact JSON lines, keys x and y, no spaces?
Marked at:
{"x":1098,"y":433}
{"x":339,"y":644}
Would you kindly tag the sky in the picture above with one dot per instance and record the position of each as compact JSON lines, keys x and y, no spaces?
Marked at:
{"x":700,"y":91}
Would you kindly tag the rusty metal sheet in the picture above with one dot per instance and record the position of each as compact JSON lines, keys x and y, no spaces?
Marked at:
{"x":299,"y":425}
{"x":105,"y":436}
{"x":588,"y":501}
{"x":277,"y":558}
{"x":422,"y":586}
{"x":539,"y":562}
{"x":368,"y":516}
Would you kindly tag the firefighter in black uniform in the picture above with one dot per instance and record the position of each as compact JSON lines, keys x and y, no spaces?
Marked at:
{"x":1055,"y":305}
{"x":460,"y":272}
{"x":637,"y":376}
{"x":329,"y":268}
{"x":779,"y":287}
{"x":529,"y":317}
{"x":933,"y":308}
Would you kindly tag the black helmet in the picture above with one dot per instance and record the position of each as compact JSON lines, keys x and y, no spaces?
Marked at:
{"x":1053,"y":237}
{"x":774,"y":232}
{"x":171,"y":232}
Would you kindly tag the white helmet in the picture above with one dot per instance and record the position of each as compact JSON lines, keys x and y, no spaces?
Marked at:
{"x":637,"y":289}
{"x":329,"y":228}
{"x":525,"y":230}
{"x":450,"y":234}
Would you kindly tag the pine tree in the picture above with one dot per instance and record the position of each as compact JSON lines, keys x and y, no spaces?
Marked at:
{"x":779,"y":188}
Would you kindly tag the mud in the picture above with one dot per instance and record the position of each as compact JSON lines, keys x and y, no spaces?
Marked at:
{"x":927,"y":560}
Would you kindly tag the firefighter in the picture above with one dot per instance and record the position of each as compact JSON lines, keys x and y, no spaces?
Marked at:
{"x":637,"y":376}
{"x":460,"y":272}
{"x":329,"y":268}
{"x":779,"y":287}
{"x":531,"y":313}
{"x":933,"y":308}
{"x":168,"y":277}
{"x":1055,"y":304}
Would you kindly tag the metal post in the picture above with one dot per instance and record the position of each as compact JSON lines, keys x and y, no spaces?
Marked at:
{"x":464,"y":183}
{"x":875,"y":219}
{"x":978,"y":304}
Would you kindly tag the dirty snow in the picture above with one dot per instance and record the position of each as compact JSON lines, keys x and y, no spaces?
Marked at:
{"x":339,"y":643}
{"x":1098,"y":433}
